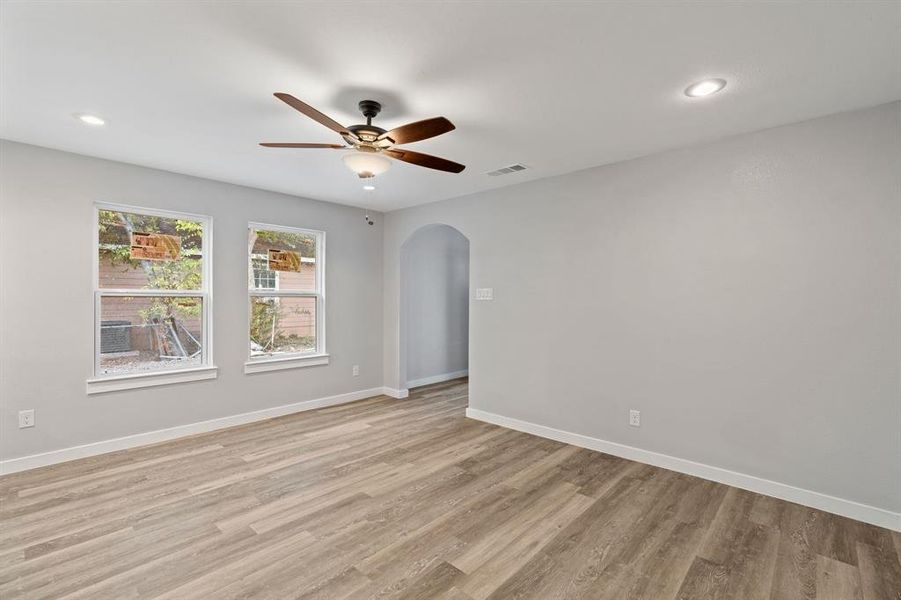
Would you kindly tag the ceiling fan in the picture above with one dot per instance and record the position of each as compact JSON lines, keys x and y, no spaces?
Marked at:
{"x":372,"y":143}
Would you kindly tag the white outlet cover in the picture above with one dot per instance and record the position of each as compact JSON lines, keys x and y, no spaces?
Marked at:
{"x":635,"y":418}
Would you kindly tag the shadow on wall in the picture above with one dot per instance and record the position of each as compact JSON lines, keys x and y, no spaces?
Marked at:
{"x":434,"y":310}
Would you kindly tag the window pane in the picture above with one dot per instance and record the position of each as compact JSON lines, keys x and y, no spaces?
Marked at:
{"x":144,"y":251}
{"x":143,"y":334}
{"x":284,"y":325}
{"x":282,"y":260}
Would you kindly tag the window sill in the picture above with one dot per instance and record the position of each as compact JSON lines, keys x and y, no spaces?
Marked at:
{"x":99,"y":385}
{"x":263,"y":365}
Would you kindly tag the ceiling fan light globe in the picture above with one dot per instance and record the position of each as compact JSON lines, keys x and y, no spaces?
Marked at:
{"x":366,"y":164}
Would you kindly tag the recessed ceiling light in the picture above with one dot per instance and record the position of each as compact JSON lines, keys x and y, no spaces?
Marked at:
{"x":368,"y":188}
{"x":91,"y":119}
{"x":705,"y":88}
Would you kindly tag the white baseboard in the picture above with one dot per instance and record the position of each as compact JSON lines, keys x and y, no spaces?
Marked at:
{"x":53,"y":457}
{"x":838,"y":506}
{"x":395,"y":393}
{"x":437,"y":378}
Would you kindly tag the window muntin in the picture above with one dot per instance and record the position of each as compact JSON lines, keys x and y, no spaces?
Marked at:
{"x":151,"y":291}
{"x":286,"y":312}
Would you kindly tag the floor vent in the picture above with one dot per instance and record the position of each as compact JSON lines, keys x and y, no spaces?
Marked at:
{"x":506,"y":170}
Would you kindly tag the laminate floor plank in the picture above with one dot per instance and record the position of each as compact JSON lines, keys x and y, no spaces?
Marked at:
{"x":407,"y":500}
{"x":837,"y":580}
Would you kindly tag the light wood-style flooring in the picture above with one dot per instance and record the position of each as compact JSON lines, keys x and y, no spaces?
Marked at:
{"x":407,"y":498}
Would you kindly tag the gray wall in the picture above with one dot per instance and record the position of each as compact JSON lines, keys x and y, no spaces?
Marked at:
{"x":46,"y":298}
{"x":744,"y":295}
{"x":435,"y":280}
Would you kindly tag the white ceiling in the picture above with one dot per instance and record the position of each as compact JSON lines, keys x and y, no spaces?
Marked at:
{"x":187,"y":87}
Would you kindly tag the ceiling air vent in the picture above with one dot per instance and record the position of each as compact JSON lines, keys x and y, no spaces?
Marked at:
{"x":506,"y":170}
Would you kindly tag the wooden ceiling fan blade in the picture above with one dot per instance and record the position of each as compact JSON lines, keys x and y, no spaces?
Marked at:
{"x":425,"y":160}
{"x":314,"y":114}
{"x":420,"y":130}
{"x":293,"y":145}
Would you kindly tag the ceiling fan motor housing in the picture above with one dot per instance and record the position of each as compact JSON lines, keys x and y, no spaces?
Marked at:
{"x":368,"y":132}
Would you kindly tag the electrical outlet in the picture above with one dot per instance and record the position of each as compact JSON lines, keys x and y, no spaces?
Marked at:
{"x":26,"y":418}
{"x":635,"y":418}
{"x":484,"y":293}
{"x":356,"y":370}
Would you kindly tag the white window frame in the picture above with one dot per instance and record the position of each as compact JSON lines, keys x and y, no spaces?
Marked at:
{"x":207,"y":369}
{"x":260,"y":364}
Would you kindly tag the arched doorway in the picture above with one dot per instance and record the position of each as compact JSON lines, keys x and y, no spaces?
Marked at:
{"x":434,"y":306}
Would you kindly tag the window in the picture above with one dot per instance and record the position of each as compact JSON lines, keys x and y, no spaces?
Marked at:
{"x":286,"y":303}
{"x":263,"y":277}
{"x":151,"y":298}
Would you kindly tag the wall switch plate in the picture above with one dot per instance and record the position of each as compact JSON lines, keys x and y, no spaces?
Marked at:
{"x":26,"y":418}
{"x":484,"y":293}
{"x":635,"y":418}
{"x":356,"y":370}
